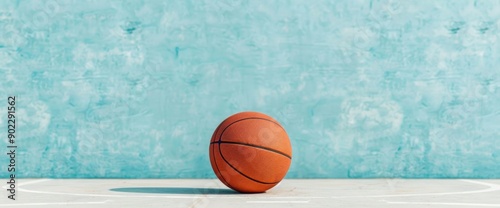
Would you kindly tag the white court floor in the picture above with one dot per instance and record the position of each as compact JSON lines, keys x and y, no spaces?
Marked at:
{"x":195,"y":193}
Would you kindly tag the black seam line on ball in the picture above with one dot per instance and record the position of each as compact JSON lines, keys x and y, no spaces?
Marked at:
{"x":220,"y":138}
{"x":255,"y":180}
{"x":253,"y":145}
{"x":217,"y":166}
{"x":222,"y":133}
{"x":214,"y":136}
{"x":218,"y":171}
{"x":249,"y":119}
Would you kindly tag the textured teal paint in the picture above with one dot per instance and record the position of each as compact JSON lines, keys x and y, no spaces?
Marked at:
{"x":365,"y":88}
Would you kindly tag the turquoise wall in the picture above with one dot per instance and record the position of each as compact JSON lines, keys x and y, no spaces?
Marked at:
{"x":134,"y":89}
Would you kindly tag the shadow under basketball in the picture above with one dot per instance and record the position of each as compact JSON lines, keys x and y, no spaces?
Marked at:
{"x":175,"y":190}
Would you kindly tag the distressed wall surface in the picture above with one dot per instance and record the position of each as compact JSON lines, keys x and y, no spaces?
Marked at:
{"x":134,"y":89}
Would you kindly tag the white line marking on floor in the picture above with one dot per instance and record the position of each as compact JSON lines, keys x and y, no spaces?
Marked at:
{"x":491,"y":185}
{"x":27,"y":183}
{"x":54,"y":203}
{"x":443,"y":203}
{"x":111,"y":195}
{"x":492,"y":188}
{"x":278,"y":202}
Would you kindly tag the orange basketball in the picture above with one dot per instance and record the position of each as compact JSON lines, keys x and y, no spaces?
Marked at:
{"x":250,"y":152}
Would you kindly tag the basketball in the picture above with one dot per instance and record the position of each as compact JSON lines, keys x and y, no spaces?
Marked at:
{"x":250,"y":152}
